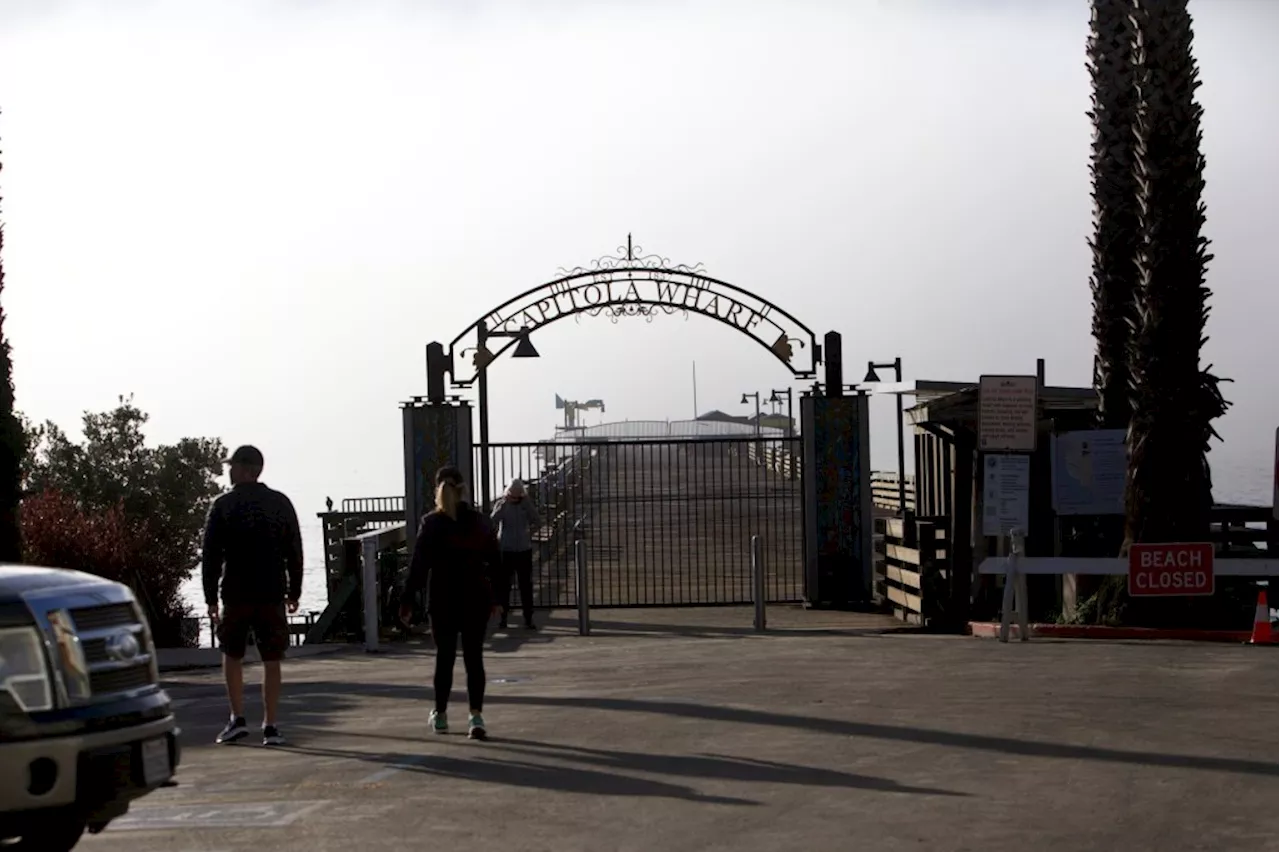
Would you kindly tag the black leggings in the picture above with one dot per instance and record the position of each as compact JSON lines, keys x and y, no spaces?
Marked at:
{"x":445,"y":631}
{"x":520,"y":563}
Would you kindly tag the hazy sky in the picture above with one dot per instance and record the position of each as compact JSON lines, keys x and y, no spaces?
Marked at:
{"x":254,"y":215}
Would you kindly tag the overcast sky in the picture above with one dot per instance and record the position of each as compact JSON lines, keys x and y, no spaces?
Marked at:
{"x":253,"y":216}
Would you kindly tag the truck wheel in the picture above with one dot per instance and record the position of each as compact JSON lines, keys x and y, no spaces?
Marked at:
{"x":60,"y":835}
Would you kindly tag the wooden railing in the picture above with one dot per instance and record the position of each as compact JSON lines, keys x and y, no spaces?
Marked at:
{"x":778,"y":459}
{"x":911,"y":568}
{"x":884,"y":485}
{"x":884,"y":491}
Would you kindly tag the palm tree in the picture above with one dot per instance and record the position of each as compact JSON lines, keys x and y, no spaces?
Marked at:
{"x":1168,"y":493}
{"x":1115,"y":211}
{"x":12,"y":443}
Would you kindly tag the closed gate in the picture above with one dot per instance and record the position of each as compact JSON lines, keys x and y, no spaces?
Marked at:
{"x":665,"y":522}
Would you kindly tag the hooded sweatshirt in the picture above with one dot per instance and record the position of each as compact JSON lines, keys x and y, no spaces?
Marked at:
{"x":516,"y":521}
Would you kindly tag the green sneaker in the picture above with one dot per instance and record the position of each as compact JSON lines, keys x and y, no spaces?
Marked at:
{"x":439,"y":722}
{"x":475,"y":727}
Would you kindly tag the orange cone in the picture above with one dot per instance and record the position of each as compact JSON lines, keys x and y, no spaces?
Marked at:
{"x":1263,"y":632}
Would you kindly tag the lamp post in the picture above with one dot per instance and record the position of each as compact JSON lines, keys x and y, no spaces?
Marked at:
{"x":896,"y":364}
{"x":483,"y":357}
{"x":776,"y":396}
{"x":756,"y":396}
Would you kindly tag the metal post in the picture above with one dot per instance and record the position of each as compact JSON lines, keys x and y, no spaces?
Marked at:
{"x":584,"y":605}
{"x":482,"y":334}
{"x":902,"y":455}
{"x":369,"y":578}
{"x":757,"y":581}
{"x":791,"y":419}
{"x":1015,"y":591}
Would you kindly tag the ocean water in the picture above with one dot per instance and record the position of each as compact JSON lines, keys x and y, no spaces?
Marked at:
{"x":315,"y":595}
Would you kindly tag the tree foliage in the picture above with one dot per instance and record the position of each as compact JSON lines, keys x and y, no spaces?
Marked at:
{"x":12,"y":441}
{"x":148,"y":505}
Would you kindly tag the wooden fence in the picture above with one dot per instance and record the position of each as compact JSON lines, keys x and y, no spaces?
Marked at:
{"x":884,"y":485}
{"x":884,"y":491}
{"x":778,"y":459}
{"x":911,"y":568}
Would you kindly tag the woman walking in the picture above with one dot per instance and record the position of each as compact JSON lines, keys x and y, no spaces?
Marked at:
{"x":454,"y":553}
{"x":517,"y":519}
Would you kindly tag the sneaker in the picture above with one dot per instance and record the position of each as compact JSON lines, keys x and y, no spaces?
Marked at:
{"x":233,"y":732}
{"x":439,"y":722}
{"x":271,"y":735}
{"x":529,"y":625}
{"x":475,"y":727}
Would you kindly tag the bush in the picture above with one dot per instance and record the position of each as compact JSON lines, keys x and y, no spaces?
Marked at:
{"x":115,"y":507}
{"x":57,"y":531}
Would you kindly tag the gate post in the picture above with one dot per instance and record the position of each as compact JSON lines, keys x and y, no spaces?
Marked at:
{"x":435,"y":434}
{"x":583,"y":593}
{"x":837,"y":500}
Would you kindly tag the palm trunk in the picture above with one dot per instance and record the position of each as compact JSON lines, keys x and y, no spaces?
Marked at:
{"x":1168,"y":494}
{"x":1115,"y":199}
{"x":12,"y":444}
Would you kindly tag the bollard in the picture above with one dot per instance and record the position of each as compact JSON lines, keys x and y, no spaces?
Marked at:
{"x":757,"y":581}
{"x":369,"y":578}
{"x":584,"y":607}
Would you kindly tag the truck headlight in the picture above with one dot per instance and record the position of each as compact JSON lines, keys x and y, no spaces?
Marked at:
{"x":23,"y":673}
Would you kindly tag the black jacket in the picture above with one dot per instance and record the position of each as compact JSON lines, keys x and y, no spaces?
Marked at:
{"x":253,"y":544}
{"x":453,"y":560}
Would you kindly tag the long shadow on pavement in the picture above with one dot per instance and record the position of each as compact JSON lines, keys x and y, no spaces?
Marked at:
{"x":838,"y":727}
{"x":523,"y":774}
{"x":706,"y":766}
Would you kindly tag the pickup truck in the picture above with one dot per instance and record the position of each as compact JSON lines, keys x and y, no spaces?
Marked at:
{"x":84,"y":726}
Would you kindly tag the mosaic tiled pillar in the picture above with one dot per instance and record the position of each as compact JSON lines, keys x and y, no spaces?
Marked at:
{"x":435,"y":435}
{"x":837,"y":495}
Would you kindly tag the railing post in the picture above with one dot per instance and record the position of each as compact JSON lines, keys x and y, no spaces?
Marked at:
{"x":584,"y":605}
{"x":1015,"y":591}
{"x":369,"y":578}
{"x":757,"y":581}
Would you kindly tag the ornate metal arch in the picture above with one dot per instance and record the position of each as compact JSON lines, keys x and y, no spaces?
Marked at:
{"x":631,"y":283}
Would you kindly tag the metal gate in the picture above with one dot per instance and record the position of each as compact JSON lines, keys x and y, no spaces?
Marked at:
{"x":665,"y":522}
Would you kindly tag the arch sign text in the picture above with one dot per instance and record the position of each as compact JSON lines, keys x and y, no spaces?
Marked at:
{"x":634,"y":285}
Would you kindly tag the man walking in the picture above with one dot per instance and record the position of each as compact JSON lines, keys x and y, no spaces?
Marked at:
{"x":253,"y":545}
{"x":516,"y":518}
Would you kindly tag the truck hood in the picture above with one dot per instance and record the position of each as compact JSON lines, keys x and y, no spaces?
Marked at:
{"x":17,"y":580}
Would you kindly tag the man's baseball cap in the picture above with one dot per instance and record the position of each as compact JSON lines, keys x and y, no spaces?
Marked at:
{"x":247,"y":455}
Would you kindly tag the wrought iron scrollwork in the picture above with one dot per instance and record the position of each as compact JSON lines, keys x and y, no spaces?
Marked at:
{"x":631,"y":256}
{"x":631,"y":309}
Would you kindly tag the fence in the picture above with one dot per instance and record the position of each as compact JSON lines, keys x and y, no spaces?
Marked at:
{"x":884,"y":491}
{"x":911,"y":568}
{"x":775,"y":455}
{"x":665,"y":522}
{"x":199,"y":633}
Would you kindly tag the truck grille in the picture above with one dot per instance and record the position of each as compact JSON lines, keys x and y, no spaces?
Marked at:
{"x":108,"y":615}
{"x":97,"y":628}
{"x":120,"y":680}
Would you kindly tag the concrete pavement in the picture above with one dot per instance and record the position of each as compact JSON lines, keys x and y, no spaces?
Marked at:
{"x":680,"y":730}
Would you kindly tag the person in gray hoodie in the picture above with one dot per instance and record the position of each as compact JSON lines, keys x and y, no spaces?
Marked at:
{"x":516,"y":519}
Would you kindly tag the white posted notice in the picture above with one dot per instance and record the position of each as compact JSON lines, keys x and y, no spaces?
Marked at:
{"x":1007,"y":414}
{"x":1006,"y":492}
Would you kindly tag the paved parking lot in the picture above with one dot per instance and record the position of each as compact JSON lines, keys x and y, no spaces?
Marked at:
{"x":686,"y":732}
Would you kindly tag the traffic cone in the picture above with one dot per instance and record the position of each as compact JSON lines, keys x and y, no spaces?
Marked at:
{"x":1263,"y":632}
